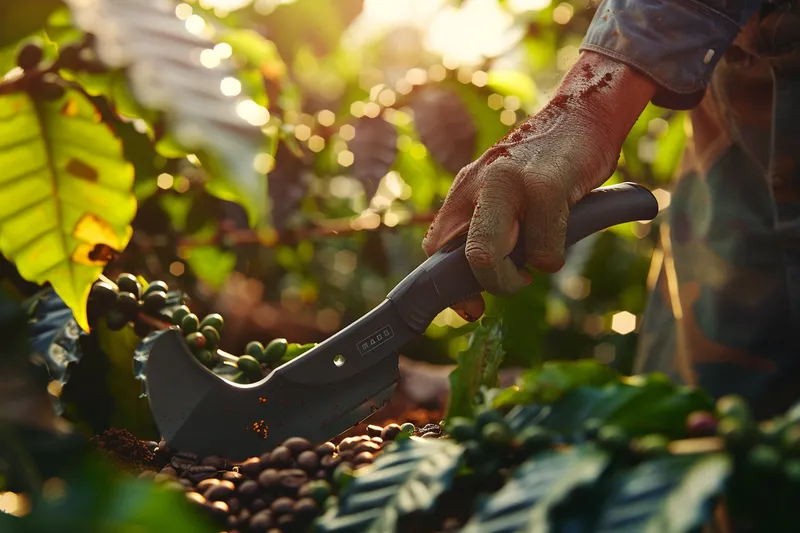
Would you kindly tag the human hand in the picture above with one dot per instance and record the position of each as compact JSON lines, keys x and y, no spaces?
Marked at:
{"x":524,"y":186}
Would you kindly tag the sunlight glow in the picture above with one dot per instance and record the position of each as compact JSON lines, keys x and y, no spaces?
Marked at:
{"x":195,"y":24}
{"x":562,"y":14}
{"x":209,"y":58}
{"x":520,"y":6}
{"x":347,"y":132}
{"x":263,"y":163}
{"x":230,"y":86}
{"x":183,"y":11}
{"x":165,"y":181}
{"x":326,"y":117}
{"x":623,"y":322}
{"x":223,"y":50}
{"x":253,"y":113}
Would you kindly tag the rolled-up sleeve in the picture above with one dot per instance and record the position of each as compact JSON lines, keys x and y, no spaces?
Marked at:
{"x":677,"y":43}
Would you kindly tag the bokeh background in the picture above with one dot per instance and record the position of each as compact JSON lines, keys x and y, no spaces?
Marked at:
{"x":376,"y":105}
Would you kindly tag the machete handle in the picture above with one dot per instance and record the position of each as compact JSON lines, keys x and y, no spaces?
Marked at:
{"x":446,"y":277}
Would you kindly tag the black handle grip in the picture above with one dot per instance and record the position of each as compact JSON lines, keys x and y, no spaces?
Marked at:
{"x":446,"y":277}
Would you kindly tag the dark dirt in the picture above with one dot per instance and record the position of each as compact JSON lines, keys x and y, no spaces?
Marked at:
{"x":122,"y":447}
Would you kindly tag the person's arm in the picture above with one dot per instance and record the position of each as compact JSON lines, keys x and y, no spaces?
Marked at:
{"x":676,"y":43}
{"x":635,"y":52}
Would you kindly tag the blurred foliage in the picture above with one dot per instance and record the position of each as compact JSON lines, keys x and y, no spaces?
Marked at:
{"x":287,"y":157}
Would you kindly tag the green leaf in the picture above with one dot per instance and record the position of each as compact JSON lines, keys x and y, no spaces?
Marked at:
{"x":406,"y":478}
{"x":478,"y":366}
{"x":54,"y":335}
{"x":20,"y":19}
{"x":67,"y":190}
{"x":669,"y":495}
{"x":256,"y":51}
{"x":158,"y":54}
{"x":526,"y":502}
{"x":553,"y":379}
{"x":211,"y":264}
{"x":654,"y":407}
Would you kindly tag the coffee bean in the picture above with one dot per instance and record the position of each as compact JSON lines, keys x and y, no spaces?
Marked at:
{"x":258,"y":505}
{"x":281,"y":457}
{"x":219,"y":510}
{"x":292,"y":479}
{"x":188,"y":456}
{"x":173,"y":485}
{"x":286,"y":522}
{"x":390,"y":432}
{"x":329,"y":462}
{"x":234,"y":477}
{"x":366,"y":446}
{"x":169,"y":471}
{"x":326,"y":448}
{"x":220,"y":491}
{"x":196,"y":498}
{"x":374,"y":431}
{"x":308,"y":461}
{"x":430,"y":435}
{"x":206,"y":483}
{"x":248,"y":488}
{"x":186,"y":483}
{"x":232,"y":522}
{"x":261,"y":521}
{"x":163,"y":478}
{"x":234,"y":505}
{"x":346,"y":455}
{"x":297,"y":445}
{"x":321,"y":475}
{"x":363,"y":457}
{"x":148,"y":474}
{"x":305,"y":508}
{"x":152,"y":445}
{"x":251,"y":467}
{"x":282,"y":506}
{"x":268,"y":478}
{"x":244,"y":516}
{"x":199,"y":473}
{"x":376,"y":440}
{"x":180,"y":463}
{"x":220,"y":463}
{"x":347,"y":444}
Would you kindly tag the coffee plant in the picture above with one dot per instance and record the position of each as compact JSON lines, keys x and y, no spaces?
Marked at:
{"x":258,"y":174}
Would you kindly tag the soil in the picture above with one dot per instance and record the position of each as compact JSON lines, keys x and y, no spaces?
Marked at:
{"x":124,"y":448}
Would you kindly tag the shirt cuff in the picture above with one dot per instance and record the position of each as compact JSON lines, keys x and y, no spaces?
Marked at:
{"x":676,"y":43}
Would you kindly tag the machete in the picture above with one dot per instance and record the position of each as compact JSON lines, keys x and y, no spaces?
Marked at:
{"x":345,"y":379}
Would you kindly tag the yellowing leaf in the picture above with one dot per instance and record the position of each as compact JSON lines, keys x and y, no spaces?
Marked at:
{"x":67,"y":194}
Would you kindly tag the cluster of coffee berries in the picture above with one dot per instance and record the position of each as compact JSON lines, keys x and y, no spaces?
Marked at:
{"x":202,"y":336}
{"x":125,"y":302}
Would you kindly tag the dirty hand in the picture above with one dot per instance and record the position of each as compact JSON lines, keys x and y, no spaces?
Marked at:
{"x":525,"y":185}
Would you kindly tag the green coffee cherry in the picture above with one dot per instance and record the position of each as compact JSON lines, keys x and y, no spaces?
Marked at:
{"x":461,"y":429}
{"x":733,"y":406}
{"x":496,"y":434}
{"x":319,"y":490}
{"x":652,"y":445}
{"x":211,"y":335}
{"x":737,"y":434}
{"x":274,"y":351}
{"x":178,"y":315}
{"x":764,"y":458}
{"x":156,"y":286}
{"x":205,"y":357}
{"x":155,"y":301}
{"x":249,"y":365}
{"x":255,"y":350}
{"x":196,"y":341}
{"x":190,"y":324}
{"x":115,"y":320}
{"x":487,"y":416}
{"x":408,"y":428}
{"x":612,"y":437}
{"x":343,"y":475}
{"x":592,"y":426}
{"x":129,"y":283}
{"x":215,"y":321}
{"x":791,"y":441}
